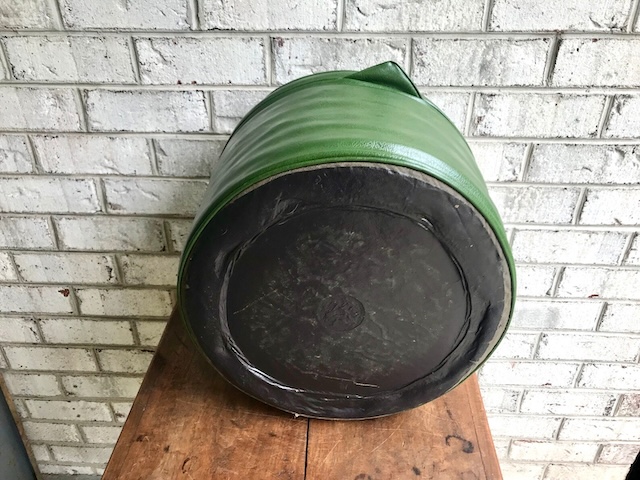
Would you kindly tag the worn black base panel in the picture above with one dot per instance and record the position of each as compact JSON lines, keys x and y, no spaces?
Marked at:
{"x":347,"y":291}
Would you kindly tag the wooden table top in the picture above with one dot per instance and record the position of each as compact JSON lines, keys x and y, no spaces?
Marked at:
{"x":188,"y":423}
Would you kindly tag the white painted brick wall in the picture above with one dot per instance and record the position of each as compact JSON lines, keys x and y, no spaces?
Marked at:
{"x":218,"y":61}
{"x":585,"y":62}
{"x":38,"y":109}
{"x":479,"y":62}
{"x":105,"y":142}
{"x":251,"y":15}
{"x":143,"y":196}
{"x":625,"y":117}
{"x":558,"y":246}
{"x":14,"y":154}
{"x":296,"y":57}
{"x":404,"y":16}
{"x":611,"y":207}
{"x":100,"y":155}
{"x":547,"y":15}
{"x":146,"y":111}
{"x":585,"y":163}
{"x":70,"y":59}
{"x":133,"y":15}
{"x":533,"y":115}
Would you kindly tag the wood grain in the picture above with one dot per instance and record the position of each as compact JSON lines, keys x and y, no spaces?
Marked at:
{"x":189,"y":423}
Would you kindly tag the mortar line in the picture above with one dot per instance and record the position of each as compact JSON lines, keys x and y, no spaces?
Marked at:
{"x":536,"y":346}
{"x":166,"y":237}
{"x":576,"y":379}
{"x":469,"y":114}
{"x":526,"y":163}
{"x":82,"y":110}
{"x":626,"y":250}
{"x":14,"y":265}
{"x":616,"y":405}
{"x":57,"y":14}
{"x":35,"y":160}
{"x":633,"y":15}
{"x":153,"y":157}
{"x":54,"y":232}
{"x":600,"y":316}
{"x":577,"y":211}
{"x":556,"y":281}
{"x":550,"y":64}
{"x":117,"y":269}
{"x":340,"y":15}
{"x":43,"y":339}
{"x":135,"y":59}
{"x":4,"y":60}
{"x":73,"y":299}
{"x":486,"y":15}
{"x":208,"y":105}
{"x":557,"y":432}
{"x":193,"y":11}
{"x":409,"y":57}
{"x":606,"y":114}
{"x":268,"y":61}
{"x":5,"y":359}
{"x":102,"y":194}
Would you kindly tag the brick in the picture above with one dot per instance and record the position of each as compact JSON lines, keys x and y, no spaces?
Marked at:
{"x":101,"y":386}
{"x":32,"y":385}
{"x":127,"y":361}
{"x":43,"y":195}
{"x":18,"y":330}
{"x":625,"y":117}
{"x":558,"y":246}
{"x":629,"y":405}
{"x":259,"y":15}
{"x":596,"y":429}
{"x":603,"y":282}
{"x":229,"y":106}
{"x":534,"y":280}
{"x":611,"y":207}
{"x":597,"y":62}
{"x":485,"y":62}
{"x":7,"y":271}
{"x":567,"y":402}
{"x":26,"y":14}
{"x":516,"y":345}
{"x":70,"y":59}
{"x":187,"y":158}
{"x":453,"y":105}
{"x":108,"y":233}
{"x":619,"y":453}
{"x":40,"y":453}
{"x":150,"y":269}
{"x":392,"y":16}
{"x":614,"y":376}
{"x":81,"y":454}
{"x":540,"y":315}
{"x":522,"y":471}
{"x":49,"y":358}
{"x":123,"y":303}
{"x":65,"y":267}
{"x":150,"y":332}
{"x":14,"y":154}
{"x":70,"y":470}
{"x":546,"y":15}
{"x":530,"y":450}
{"x":76,"y":330}
{"x":526,"y":204}
{"x":296,"y":57}
{"x":131,"y":15}
{"x":633,"y":257}
{"x":76,"y":410}
{"x":51,"y":432}
{"x":212,"y":61}
{"x":498,"y":162}
{"x":620,"y":317}
{"x":19,"y":298}
{"x":93,"y":154}
{"x":539,"y":374}
{"x":23,"y":108}
{"x":146,"y":111}
{"x":179,"y":232}
{"x":498,"y":400}
{"x":154,"y":196}
{"x":587,"y":346}
{"x":585,"y":163}
{"x":25,"y":232}
{"x":537,"y":115}
{"x":121,"y":410}
{"x":514,"y":426}
{"x":101,"y":434}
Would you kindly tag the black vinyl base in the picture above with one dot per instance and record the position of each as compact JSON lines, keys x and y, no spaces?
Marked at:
{"x":347,"y":291}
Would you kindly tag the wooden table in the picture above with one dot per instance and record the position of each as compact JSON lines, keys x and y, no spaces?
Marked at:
{"x":189,"y":423}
